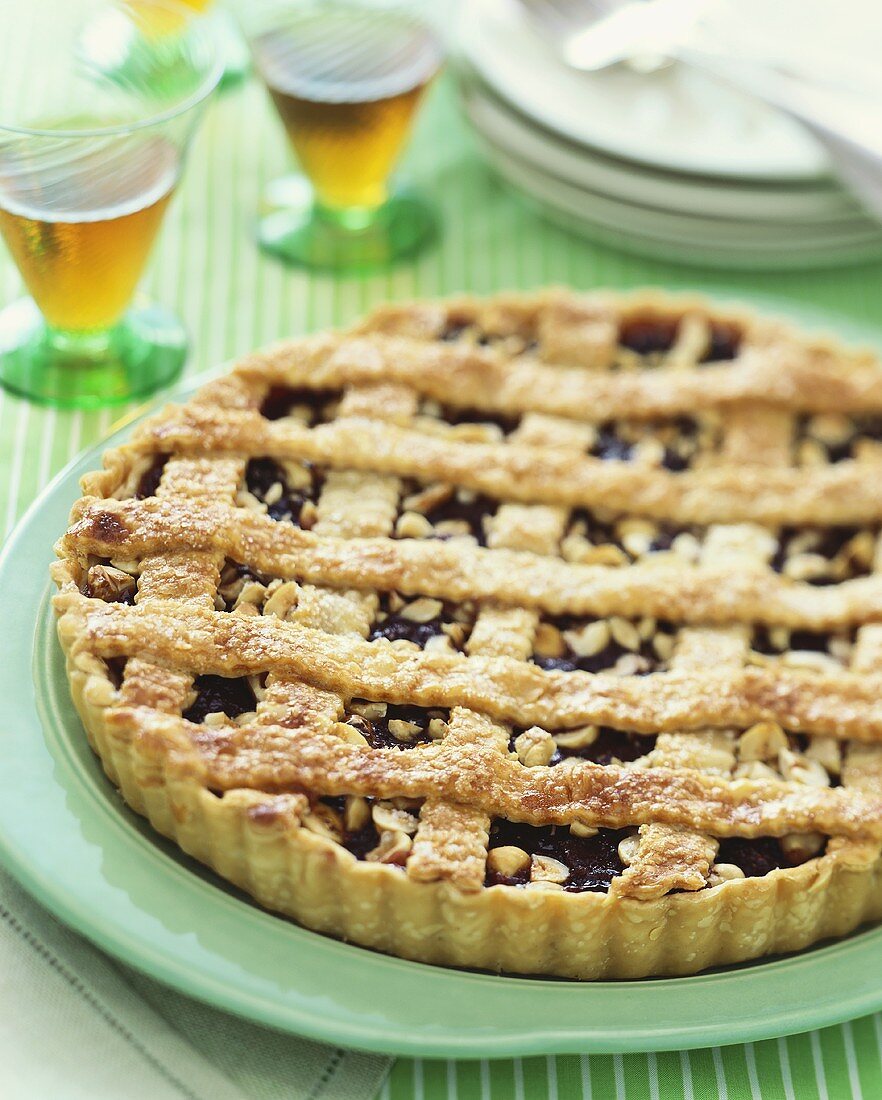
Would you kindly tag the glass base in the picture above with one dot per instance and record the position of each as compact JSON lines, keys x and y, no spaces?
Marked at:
{"x":299,"y":231}
{"x":86,"y":370}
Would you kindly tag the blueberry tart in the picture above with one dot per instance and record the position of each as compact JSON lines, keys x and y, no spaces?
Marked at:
{"x":539,"y":634}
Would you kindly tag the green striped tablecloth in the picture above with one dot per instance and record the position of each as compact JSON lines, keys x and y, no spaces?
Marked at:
{"x":233,"y":299}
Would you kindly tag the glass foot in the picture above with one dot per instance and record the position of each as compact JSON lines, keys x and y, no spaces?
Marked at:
{"x":299,"y":231}
{"x":86,"y":370}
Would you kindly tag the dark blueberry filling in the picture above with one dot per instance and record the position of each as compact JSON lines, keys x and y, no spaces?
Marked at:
{"x":232,"y":696}
{"x":233,"y":571}
{"x":664,"y":540}
{"x":457,"y":328}
{"x":361,"y":841}
{"x":593,"y":861}
{"x":816,"y":641}
{"x":116,"y":667}
{"x":478,"y":416}
{"x":725,"y":341}
{"x":471,"y":511}
{"x":756,"y":857}
{"x":260,"y":476}
{"x":869,"y":427}
{"x":839,"y":452}
{"x":685,"y":425}
{"x":603,"y":534}
{"x":125,"y":597}
{"x":358,"y":841}
{"x":395,"y":626}
{"x":649,"y":335}
{"x":865,"y":427}
{"x":612,"y":745}
{"x":799,"y":742}
{"x":610,"y":447}
{"x":609,"y":745}
{"x":835,"y":452}
{"x":829,"y":542}
{"x":611,"y":443}
{"x":677,"y":459}
{"x":674,"y":462}
{"x":377,"y":731}
{"x":453,"y":331}
{"x":149,"y":480}
{"x":246,"y":571}
{"x":564,"y":664}
{"x":606,"y":657}
{"x":281,"y":399}
{"x":585,"y":523}
{"x":461,"y":506}
{"x":809,"y":639}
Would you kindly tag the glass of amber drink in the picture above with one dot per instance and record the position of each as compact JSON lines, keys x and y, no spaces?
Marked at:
{"x":97,"y":107}
{"x":346,"y":79}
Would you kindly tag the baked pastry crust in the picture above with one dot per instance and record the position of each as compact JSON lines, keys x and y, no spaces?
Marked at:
{"x":615,"y":713}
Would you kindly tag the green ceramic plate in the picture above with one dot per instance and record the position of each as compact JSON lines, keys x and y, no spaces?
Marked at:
{"x":65,"y":833}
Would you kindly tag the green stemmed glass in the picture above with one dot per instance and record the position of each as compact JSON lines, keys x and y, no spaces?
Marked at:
{"x":90,"y":154}
{"x":346,"y":79}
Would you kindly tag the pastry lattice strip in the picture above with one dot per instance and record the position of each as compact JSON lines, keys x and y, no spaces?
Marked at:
{"x":499,"y":631}
{"x":266,"y":758}
{"x":840,"y":705}
{"x":666,"y":860}
{"x":187,"y":576}
{"x":459,"y":570}
{"x":773,"y":366}
{"x":837,"y":494}
{"x":349,"y":504}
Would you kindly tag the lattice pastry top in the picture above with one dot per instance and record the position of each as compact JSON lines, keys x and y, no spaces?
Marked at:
{"x":535,"y":633}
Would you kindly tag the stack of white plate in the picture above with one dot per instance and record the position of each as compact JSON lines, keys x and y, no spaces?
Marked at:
{"x":671,"y":164}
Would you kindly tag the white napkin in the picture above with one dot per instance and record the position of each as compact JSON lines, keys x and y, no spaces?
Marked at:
{"x":829,"y":42}
{"x":76,"y":1024}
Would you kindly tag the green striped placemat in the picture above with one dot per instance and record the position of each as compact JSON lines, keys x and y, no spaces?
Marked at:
{"x":833,"y":1064}
{"x":233,"y":299}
